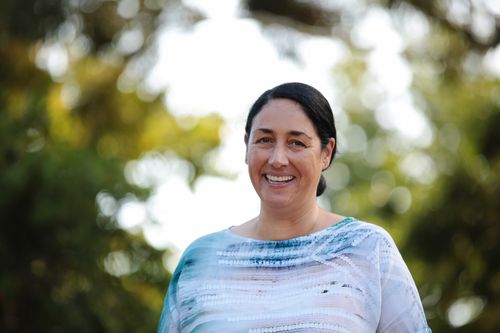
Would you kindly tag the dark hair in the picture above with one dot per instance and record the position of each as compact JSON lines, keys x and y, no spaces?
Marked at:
{"x":314,"y":105}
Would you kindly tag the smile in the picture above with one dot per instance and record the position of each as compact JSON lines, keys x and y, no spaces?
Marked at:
{"x":279,"y":179}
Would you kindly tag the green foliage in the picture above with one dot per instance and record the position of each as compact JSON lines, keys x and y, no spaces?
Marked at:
{"x":64,"y":141}
{"x":459,"y":226}
{"x":52,"y":245}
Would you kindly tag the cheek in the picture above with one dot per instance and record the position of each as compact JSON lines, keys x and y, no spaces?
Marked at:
{"x":312,"y":158}
{"x":252,"y":158}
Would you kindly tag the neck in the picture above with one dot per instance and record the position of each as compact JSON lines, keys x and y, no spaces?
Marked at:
{"x":286,"y":223}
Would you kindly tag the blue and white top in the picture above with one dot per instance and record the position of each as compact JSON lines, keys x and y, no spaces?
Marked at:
{"x":347,"y":278}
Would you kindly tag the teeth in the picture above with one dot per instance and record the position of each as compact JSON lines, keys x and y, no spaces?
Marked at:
{"x":279,"y":178}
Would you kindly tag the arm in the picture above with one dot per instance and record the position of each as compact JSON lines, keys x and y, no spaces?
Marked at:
{"x":169,"y":316}
{"x":169,"y":320}
{"x":401,"y":308}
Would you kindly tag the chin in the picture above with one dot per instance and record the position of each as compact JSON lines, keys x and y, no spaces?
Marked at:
{"x":275,"y":201}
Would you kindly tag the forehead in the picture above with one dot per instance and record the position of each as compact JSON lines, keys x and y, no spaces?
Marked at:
{"x":283,"y":114}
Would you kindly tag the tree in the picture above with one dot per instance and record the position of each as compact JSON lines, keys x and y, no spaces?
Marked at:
{"x":67,"y":129}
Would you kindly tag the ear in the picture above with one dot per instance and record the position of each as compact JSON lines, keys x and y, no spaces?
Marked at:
{"x":326,"y":153}
{"x":246,"y":148}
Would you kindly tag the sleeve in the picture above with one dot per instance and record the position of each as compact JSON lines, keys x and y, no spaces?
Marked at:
{"x":172,"y":316}
{"x":169,"y":319}
{"x":401,"y":308}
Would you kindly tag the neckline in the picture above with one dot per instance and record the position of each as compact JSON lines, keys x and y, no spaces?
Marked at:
{"x":337,"y":225}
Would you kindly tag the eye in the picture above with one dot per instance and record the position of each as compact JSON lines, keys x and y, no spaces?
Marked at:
{"x":264,"y":140}
{"x":297,"y":143}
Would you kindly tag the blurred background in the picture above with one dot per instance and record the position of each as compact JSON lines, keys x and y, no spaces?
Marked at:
{"x":121,"y":141}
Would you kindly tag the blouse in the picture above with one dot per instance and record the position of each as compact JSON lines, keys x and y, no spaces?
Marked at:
{"x":349,"y":277}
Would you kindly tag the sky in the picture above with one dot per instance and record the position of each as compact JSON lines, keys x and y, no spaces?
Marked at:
{"x":220,"y":65}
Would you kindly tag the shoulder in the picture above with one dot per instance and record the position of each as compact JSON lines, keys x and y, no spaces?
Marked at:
{"x":357,"y":238}
{"x":205,"y":244}
{"x":200,"y":252}
{"x":378,"y":246}
{"x":359,"y":232}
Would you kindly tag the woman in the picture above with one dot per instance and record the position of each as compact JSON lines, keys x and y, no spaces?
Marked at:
{"x":295,"y":267}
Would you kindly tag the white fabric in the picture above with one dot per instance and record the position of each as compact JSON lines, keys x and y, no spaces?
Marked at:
{"x":347,"y":278}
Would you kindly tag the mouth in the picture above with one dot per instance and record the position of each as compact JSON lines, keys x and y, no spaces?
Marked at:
{"x":279,"y":179}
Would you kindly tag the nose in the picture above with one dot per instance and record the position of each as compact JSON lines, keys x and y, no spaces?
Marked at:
{"x":278,"y":157}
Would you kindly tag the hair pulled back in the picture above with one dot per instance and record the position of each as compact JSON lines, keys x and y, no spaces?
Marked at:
{"x":314,"y":105}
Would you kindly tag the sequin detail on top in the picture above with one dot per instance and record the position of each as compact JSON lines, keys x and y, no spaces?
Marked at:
{"x":347,"y":278}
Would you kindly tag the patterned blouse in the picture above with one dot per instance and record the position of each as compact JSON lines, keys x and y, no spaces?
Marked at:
{"x":347,"y":278}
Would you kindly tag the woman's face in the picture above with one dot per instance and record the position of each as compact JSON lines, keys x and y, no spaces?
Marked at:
{"x":284,"y":154}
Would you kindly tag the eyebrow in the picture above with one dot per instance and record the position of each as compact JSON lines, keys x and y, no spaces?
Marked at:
{"x":293,"y":132}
